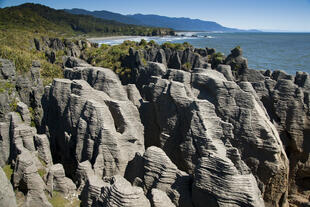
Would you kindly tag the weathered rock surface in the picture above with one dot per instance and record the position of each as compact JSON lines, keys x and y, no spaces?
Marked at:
{"x":160,"y":199}
{"x":121,"y":194}
{"x":57,"y":181}
{"x":204,"y":112}
{"x":287,"y":104}
{"x":238,"y":63}
{"x":160,"y":173}
{"x":92,"y":125}
{"x":218,"y":183}
{"x":214,"y":136}
{"x":7,"y":195}
{"x":5,"y":143}
{"x":43,"y":147}
{"x":27,"y":180}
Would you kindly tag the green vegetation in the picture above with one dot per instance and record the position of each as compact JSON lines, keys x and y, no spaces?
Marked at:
{"x":8,"y":171}
{"x":42,"y":172}
{"x":112,"y":56}
{"x":176,"y":46}
{"x":42,"y":162}
{"x":6,"y":86}
{"x":13,"y":104}
{"x":38,"y":18}
{"x":21,"y":24}
{"x":58,"y":200}
{"x":187,"y":66}
{"x":217,"y":58}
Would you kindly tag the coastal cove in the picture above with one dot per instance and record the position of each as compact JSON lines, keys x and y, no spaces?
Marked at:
{"x":289,"y":52}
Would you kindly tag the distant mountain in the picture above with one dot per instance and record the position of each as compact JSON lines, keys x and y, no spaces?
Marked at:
{"x":180,"y":24}
{"x":39,"y":18}
{"x":106,"y":15}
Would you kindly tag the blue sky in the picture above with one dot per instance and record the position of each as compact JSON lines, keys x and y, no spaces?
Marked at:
{"x":284,"y":15}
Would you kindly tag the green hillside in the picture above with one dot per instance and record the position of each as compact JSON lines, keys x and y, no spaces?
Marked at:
{"x":39,"y":18}
{"x":21,"y":24}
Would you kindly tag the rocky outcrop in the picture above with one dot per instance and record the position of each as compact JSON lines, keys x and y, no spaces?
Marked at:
{"x":286,"y":101}
{"x":27,"y":180}
{"x":43,"y":147}
{"x":7,"y":195}
{"x":189,"y":136}
{"x":238,"y":63}
{"x":160,"y":173}
{"x":186,"y":59}
{"x":57,"y":181}
{"x":103,"y":128}
{"x":120,"y":193}
{"x":5,"y":143}
{"x":160,"y":199}
{"x":218,"y":183}
{"x":203,"y":112}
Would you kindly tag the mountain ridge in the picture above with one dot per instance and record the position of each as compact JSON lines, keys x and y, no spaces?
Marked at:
{"x":36,"y":17}
{"x":176,"y":23}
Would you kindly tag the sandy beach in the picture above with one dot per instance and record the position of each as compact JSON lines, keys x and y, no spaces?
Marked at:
{"x":111,"y":38}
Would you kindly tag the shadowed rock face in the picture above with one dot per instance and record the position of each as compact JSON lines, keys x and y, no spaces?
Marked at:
{"x":286,"y":99}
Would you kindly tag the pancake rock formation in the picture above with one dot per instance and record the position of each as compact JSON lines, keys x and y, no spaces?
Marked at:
{"x":190,"y":128}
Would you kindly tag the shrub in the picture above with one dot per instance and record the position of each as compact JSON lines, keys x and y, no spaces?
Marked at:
{"x":152,"y":43}
{"x":187,"y":66}
{"x":143,"y":42}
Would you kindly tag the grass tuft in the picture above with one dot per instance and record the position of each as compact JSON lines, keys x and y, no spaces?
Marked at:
{"x":8,"y":171}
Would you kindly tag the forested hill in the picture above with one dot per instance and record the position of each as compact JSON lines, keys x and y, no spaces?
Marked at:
{"x":39,"y":18}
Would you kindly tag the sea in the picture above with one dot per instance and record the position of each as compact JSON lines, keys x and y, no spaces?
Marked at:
{"x":289,"y":52}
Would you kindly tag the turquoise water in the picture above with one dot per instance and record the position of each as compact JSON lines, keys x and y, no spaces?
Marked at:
{"x":285,"y":51}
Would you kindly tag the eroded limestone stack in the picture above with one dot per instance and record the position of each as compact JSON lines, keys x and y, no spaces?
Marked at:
{"x":202,"y":112}
{"x":286,"y":99}
{"x":210,"y":140}
{"x":160,"y":173}
{"x":27,"y":179}
{"x":57,"y":181}
{"x":121,"y":194}
{"x":92,"y":124}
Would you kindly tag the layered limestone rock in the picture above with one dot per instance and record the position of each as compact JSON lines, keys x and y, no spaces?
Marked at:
{"x":238,"y":63}
{"x":92,"y":125}
{"x":57,"y":181}
{"x":286,"y":100}
{"x":121,"y":194}
{"x":201,"y":112}
{"x":27,"y":180}
{"x":43,"y":147}
{"x":160,"y":199}
{"x":5,"y":143}
{"x":218,"y":183}
{"x":211,"y":135}
{"x":160,"y":173}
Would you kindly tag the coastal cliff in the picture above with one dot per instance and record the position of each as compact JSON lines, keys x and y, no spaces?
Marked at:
{"x":172,"y":125}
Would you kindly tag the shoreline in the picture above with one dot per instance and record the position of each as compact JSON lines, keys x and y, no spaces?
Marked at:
{"x":111,"y":38}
